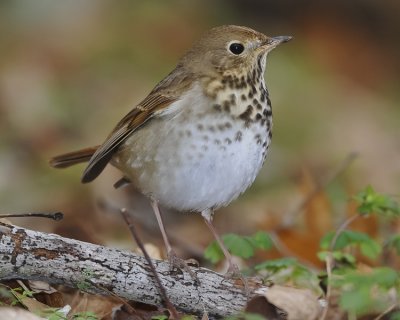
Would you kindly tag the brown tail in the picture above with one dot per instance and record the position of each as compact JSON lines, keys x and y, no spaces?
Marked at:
{"x":71,"y":158}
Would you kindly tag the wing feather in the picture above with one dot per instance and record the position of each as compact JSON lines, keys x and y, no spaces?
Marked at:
{"x":130,"y":123}
{"x":163,"y":95}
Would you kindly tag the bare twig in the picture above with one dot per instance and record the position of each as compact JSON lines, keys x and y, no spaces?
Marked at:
{"x":384,"y":313}
{"x":329,"y":259}
{"x":161,"y":288}
{"x":340,"y":230}
{"x":188,"y":247}
{"x":57,"y":216}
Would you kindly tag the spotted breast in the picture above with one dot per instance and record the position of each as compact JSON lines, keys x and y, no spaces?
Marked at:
{"x":210,"y":149}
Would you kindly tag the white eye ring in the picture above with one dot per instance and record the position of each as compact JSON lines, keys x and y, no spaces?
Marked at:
{"x":236,"y":47}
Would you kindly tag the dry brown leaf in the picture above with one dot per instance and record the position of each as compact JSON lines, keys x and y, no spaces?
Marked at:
{"x":297,"y":304}
{"x":318,"y":212}
{"x":46,"y":294}
{"x":40,"y":287}
{"x":99,"y":305}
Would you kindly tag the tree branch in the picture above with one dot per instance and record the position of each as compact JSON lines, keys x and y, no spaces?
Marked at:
{"x":27,"y":254}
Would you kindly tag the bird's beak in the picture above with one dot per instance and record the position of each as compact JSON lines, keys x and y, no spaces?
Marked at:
{"x":275,"y":41}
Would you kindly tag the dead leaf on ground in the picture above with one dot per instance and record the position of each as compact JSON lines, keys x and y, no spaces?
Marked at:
{"x":99,"y":305}
{"x":40,"y":287}
{"x":281,"y":302}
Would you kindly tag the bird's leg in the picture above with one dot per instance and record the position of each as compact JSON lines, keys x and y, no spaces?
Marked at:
{"x":157,"y":213}
{"x":233,"y":269}
{"x":173,"y":259}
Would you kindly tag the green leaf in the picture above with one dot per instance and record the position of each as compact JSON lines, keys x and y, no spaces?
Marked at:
{"x":262,"y":240}
{"x":349,"y":237}
{"x":252,"y":316}
{"x":245,"y":316}
{"x":238,"y":246}
{"x":362,"y":293}
{"x":213,"y":253}
{"x":382,"y":277}
{"x":370,"y":249}
{"x":5,"y":293}
{"x":188,"y":317}
{"x":357,"y":302}
{"x":338,"y":256}
{"x":394,"y":242}
{"x":159,"y":317}
{"x":368,"y":246}
{"x":326,"y":240}
{"x":241,"y":246}
{"x":371,"y":202}
{"x":276,"y":264}
{"x":386,"y":277}
{"x":284,"y":270}
{"x":85,"y":315}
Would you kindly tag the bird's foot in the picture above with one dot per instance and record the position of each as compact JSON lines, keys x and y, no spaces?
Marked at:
{"x":233,"y":272}
{"x":178,"y":263}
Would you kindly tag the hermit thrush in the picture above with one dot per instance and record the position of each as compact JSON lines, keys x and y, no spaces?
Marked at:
{"x":199,"y":139}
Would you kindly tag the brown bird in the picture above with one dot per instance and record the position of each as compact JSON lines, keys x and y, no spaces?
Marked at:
{"x":199,"y":139}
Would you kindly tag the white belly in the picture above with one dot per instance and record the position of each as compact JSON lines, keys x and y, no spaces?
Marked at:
{"x":192,"y":164}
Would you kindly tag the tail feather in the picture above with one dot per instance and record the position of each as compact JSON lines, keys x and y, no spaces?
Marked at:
{"x":72,"y":158}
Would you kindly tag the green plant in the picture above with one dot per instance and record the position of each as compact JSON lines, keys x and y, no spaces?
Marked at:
{"x":84,"y":284}
{"x":52,"y":314}
{"x":372,"y":288}
{"x":87,"y":315}
{"x":246,"y":316}
{"x":241,"y":246}
{"x":159,"y":317}
{"x":362,"y":291}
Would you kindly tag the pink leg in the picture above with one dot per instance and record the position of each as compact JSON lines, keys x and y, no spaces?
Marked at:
{"x":233,"y":269}
{"x":173,"y":259}
{"x":157,"y":213}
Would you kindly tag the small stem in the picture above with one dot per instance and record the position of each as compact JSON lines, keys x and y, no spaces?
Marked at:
{"x":328,"y":262}
{"x":57,"y":216}
{"x":139,"y":242}
{"x":380,"y":316}
{"x":341,"y":228}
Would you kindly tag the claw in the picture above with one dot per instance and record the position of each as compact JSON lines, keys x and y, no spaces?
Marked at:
{"x":178,"y":263}
{"x":233,"y":272}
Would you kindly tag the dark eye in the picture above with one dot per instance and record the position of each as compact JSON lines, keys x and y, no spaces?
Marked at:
{"x":236,"y":48}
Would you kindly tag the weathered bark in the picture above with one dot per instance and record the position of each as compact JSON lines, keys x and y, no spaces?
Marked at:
{"x":27,"y":254}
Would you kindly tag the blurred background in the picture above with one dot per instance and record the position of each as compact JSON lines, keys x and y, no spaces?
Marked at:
{"x":71,"y":69}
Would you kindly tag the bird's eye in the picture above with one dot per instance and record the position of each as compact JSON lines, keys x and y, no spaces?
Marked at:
{"x":236,"y":48}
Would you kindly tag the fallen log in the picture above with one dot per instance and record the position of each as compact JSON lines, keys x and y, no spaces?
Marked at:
{"x":33,"y":255}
